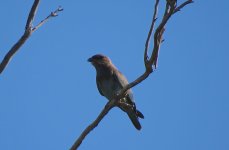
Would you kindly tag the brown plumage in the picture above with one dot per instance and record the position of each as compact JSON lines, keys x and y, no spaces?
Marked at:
{"x":109,"y":81}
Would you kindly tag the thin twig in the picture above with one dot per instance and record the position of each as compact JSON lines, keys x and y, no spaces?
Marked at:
{"x":150,"y":32}
{"x":52,"y":14}
{"x":28,"y":31}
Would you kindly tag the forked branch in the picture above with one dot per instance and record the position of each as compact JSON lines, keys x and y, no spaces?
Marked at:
{"x":150,"y":62}
{"x":29,"y":29}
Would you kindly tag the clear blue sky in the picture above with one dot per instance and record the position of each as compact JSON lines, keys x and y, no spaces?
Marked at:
{"x":48,"y":93}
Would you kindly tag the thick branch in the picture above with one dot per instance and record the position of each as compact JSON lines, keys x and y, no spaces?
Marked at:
{"x":182,"y":5}
{"x":13,"y":50}
{"x":169,"y":11}
{"x":28,"y":31}
{"x":32,"y":14}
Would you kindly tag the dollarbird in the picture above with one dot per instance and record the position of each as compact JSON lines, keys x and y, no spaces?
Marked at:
{"x":109,"y":81}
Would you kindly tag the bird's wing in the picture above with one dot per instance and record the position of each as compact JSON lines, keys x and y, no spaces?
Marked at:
{"x":122,"y":81}
{"x":99,"y":86}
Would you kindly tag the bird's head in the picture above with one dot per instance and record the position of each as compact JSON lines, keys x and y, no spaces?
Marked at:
{"x":99,"y":59}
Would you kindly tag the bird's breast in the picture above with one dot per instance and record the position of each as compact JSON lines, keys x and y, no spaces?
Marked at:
{"x":109,"y":88}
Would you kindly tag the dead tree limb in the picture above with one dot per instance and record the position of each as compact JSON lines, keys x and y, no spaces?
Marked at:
{"x":29,"y":29}
{"x":95,"y":123}
{"x":150,"y":62}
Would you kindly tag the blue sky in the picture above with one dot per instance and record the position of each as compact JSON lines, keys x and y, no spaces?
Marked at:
{"x":49,"y":95}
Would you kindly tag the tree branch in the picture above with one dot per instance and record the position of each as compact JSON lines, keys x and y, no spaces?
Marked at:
{"x":28,"y":31}
{"x":52,"y":14}
{"x":32,"y":14}
{"x":182,"y":5}
{"x":150,"y":33}
{"x":106,"y":109}
{"x":170,"y":9}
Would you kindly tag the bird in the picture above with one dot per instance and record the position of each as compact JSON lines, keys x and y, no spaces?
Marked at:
{"x":109,"y":81}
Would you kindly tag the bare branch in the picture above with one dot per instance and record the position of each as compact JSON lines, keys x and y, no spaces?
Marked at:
{"x":150,"y":32}
{"x":52,"y":14}
{"x":28,"y":31}
{"x":157,"y":41}
{"x":13,"y":50}
{"x":106,"y":109}
{"x":32,"y":14}
{"x":182,"y":5}
{"x":158,"y":35}
{"x":103,"y":113}
{"x":169,"y":11}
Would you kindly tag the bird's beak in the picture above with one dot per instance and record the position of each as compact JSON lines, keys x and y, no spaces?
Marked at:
{"x":89,"y":60}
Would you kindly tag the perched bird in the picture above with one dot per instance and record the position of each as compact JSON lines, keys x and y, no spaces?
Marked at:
{"x":110,"y":81}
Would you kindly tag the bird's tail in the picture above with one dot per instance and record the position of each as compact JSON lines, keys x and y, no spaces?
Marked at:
{"x":133,"y":115}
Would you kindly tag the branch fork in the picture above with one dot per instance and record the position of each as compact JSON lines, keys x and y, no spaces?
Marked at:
{"x":29,"y":29}
{"x":149,"y":61}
